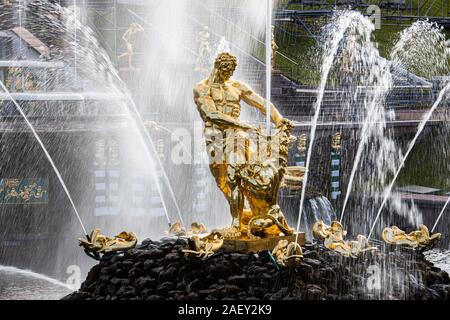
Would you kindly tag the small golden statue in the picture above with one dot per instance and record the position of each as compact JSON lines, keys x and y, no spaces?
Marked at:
{"x":302,"y":141}
{"x":336,"y":141}
{"x":129,"y":37}
{"x":416,"y":239}
{"x":204,"y":246}
{"x":176,"y":229}
{"x":232,"y":145}
{"x":204,"y":49}
{"x":333,"y":239}
{"x":98,"y":244}
{"x":274,"y":48}
{"x":288,"y":253}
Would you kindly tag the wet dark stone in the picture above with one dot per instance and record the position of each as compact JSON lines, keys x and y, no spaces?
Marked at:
{"x":280,"y":294}
{"x":127,"y":264}
{"x":206,"y":292}
{"x":238,"y":279}
{"x":146,"y":283}
{"x":148,"y":264}
{"x":195,"y":285}
{"x":313,"y":292}
{"x":126,"y":292}
{"x":135,"y":272}
{"x":305,"y":270}
{"x":445,"y":277}
{"x":156,"y":253}
{"x":110,"y":289}
{"x":165,"y":287}
{"x":313,"y":262}
{"x":108,"y":270}
{"x":434,"y":277}
{"x":78,"y":295}
{"x":433,"y":294}
{"x":193,"y":296}
{"x":156,"y":271}
{"x":231,"y":289}
{"x":443,"y":290}
{"x":168,"y":274}
{"x":238,"y":257}
{"x":120,"y":282}
{"x":154,"y":297}
{"x":160,"y":271}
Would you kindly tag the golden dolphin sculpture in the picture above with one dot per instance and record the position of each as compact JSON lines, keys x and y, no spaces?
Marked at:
{"x":416,"y":239}
{"x":287,"y":253}
{"x":333,"y":239}
{"x":204,"y":246}
{"x":176,"y":229}
{"x":98,"y":243}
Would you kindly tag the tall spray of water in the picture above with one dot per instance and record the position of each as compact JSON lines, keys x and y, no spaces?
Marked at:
{"x":335,"y":32}
{"x":411,"y":145}
{"x":49,"y":158}
{"x":440,"y":214}
{"x":169,"y":73}
{"x":94,"y":72}
{"x":375,"y":79}
{"x":422,"y":50}
{"x":115,"y":82}
{"x":268,"y":46}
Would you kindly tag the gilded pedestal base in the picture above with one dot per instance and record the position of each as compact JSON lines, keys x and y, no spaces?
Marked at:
{"x":257,"y":245}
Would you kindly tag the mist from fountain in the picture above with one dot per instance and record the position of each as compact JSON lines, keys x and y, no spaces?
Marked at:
{"x":31,"y":274}
{"x":82,"y":39}
{"x":94,"y":69}
{"x":421,"y":49}
{"x":411,"y":145}
{"x":334,"y":34}
{"x":440,"y":214}
{"x":373,"y":75}
{"x":50,"y":159}
{"x":169,"y":72}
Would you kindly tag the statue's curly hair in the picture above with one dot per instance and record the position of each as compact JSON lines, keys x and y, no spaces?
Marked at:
{"x":225,"y":57}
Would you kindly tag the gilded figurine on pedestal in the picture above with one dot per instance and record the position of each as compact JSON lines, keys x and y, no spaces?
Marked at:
{"x":129,"y":37}
{"x":232,"y":145}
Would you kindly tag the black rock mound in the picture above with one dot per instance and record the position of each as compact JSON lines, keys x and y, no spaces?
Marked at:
{"x":160,"y":271}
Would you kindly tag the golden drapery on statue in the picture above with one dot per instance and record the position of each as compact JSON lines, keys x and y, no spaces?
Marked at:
{"x":246,"y":164}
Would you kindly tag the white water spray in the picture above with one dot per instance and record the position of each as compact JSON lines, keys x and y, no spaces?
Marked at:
{"x":342,"y":23}
{"x":31,"y":274}
{"x":422,"y":124}
{"x":41,"y":144}
{"x":440,"y":214}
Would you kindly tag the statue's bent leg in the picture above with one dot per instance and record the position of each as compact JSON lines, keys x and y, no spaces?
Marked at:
{"x":224,"y":176}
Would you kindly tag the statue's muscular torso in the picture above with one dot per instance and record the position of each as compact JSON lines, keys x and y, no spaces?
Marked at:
{"x":226,"y":96}
{"x":219,"y":104}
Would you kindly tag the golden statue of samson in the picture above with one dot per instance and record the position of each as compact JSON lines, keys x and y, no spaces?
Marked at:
{"x":246,"y":164}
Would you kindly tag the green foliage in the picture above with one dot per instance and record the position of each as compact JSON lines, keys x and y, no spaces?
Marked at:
{"x":304,"y":50}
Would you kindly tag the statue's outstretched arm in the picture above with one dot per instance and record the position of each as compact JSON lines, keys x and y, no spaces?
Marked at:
{"x":139,"y":27}
{"x":255,"y":100}
{"x":207,"y":109}
{"x":126,"y":35}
